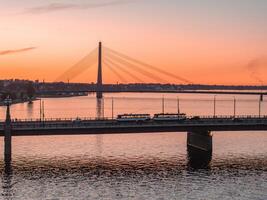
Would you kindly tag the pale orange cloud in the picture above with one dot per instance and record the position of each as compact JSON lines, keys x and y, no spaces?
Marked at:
{"x":64,"y":6}
{"x":6,"y":52}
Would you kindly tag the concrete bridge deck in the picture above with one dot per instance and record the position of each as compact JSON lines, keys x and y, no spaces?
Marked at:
{"x":199,"y":137}
{"x":126,"y":90}
{"x":110,"y":126}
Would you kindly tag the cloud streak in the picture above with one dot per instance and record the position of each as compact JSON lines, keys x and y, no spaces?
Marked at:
{"x":64,"y":6}
{"x":15,"y":51}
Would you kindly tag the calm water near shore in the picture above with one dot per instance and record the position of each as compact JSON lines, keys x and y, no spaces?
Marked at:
{"x":135,"y":166}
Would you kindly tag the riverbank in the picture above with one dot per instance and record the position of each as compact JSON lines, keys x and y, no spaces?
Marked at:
{"x":17,"y":101}
{"x":62,"y":95}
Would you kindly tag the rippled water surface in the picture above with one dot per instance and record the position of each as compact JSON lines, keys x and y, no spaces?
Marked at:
{"x":135,"y":166}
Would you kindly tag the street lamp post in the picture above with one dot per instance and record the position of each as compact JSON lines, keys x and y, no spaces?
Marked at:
{"x":112,"y":108}
{"x":260,"y":108}
{"x":214,"y":106}
{"x":163,"y":104}
{"x":178,"y":105}
{"x":40,"y":106}
{"x":234,"y":107}
{"x":43,"y":111}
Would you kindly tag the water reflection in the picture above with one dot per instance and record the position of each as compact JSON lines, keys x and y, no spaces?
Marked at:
{"x":154,"y":165}
{"x":68,"y":177}
{"x":99,"y":144}
{"x":100,"y":108}
{"x":198,"y":159}
{"x":30,"y":110}
{"x":146,"y":166}
{"x":137,"y":102}
{"x":7,"y":181}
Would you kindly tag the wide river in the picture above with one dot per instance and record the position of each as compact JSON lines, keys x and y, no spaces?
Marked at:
{"x":135,"y":166}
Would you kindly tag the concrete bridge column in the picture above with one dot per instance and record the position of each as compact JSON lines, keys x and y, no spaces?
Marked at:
{"x":199,"y":148}
{"x":8,"y":136}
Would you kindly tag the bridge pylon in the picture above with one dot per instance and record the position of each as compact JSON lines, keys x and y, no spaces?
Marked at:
{"x":99,"y":85}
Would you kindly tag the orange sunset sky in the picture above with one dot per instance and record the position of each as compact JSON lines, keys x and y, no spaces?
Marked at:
{"x":207,"y":42}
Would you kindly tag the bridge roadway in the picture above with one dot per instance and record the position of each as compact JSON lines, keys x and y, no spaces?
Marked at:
{"x":109,"y":90}
{"x":109,"y":126}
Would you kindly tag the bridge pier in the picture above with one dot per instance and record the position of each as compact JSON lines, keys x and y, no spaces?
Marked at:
{"x":199,"y":148}
{"x":7,"y":136}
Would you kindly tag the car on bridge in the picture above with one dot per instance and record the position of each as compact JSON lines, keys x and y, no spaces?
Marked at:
{"x":77,"y":120}
{"x":234,"y":119}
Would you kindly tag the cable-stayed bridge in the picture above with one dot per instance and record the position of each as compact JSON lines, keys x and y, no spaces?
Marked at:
{"x":129,"y":70}
{"x":199,"y":137}
{"x":125,"y":68}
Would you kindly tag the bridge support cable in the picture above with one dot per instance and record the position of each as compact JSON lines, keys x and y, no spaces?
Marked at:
{"x":124,"y":70}
{"x":149,"y":66}
{"x":135,"y":68}
{"x":80,"y":67}
{"x":114,"y":71}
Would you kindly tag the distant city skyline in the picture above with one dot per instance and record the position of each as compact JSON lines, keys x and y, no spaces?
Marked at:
{"x":208,"y":42}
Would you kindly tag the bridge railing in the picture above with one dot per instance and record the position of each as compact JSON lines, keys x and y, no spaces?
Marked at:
{"x":134,"y":124}
{"x":228,"y":116}
{"x":56,"y":119}
{"x":200,"y":117}
{"x":93,"y":123}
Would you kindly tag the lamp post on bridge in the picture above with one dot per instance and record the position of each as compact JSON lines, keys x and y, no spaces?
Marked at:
{"x":259,"y":107}
{"x":234,"y":106}
{"x":163,"y":104}
{"x":214,"y":106}
{"x":112,"y":108}
{"x":178,"y":105}
{"x":40,"y":109}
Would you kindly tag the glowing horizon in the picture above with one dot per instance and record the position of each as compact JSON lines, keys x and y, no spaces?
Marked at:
{"x":207,"y":43}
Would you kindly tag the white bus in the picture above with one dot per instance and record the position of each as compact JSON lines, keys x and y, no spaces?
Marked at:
{"x":133,"y":117}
